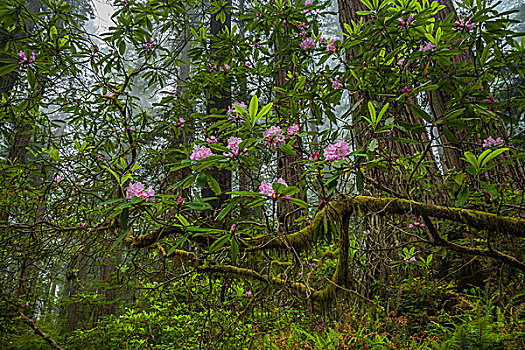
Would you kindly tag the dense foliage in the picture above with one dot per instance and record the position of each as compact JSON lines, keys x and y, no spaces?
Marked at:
{"x":218,"y":175}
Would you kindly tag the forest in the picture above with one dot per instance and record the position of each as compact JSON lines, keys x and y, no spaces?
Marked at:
{"x":284,"y":174}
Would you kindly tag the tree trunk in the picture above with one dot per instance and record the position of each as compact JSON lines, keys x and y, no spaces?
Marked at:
{"x":221,"y":102}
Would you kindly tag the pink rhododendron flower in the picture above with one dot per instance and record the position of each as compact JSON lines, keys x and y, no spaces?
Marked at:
{"x":489,"y":100}
{"x":281,"y":181}
{"x":406,"y":23}
{"x":490,"y":142}
{"x":406,"y":90}
{"x":249,"y":294}
{"x":149,"y":45}
{"x":293,"y":130}
{"x":58,"y":179}
{"x":81,"y":223}
{"x":427,"y":46}
{"x":233,"y":114}
{"x":307,"y":43}
{"x":315,"y":157}
{"x":180,"y":200}
{"x":463,"y":25}
{"x":24,"y":60}
{"x":200,"y":153}
{"x":411,"y":259}
{"x":93,"y":50}
{"x":337,"y":151}
{"x":266,"y":190}
{"x":416,"y":224}
{"x":180,"y":122}
{"x":331,"y":45}
{"x":308,"y":2}
{"x":137,"y":190}
{"x":211,"y":139}
{"x":366,"y":232}
{"x":273,"y":137}
{"x":233,"y":145}
{"x":336,"y":83}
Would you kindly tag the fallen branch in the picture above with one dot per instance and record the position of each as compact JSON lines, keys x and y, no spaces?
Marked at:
{"x":46,"y":337}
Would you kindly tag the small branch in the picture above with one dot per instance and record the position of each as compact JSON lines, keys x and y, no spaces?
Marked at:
{"x":46,"y":337}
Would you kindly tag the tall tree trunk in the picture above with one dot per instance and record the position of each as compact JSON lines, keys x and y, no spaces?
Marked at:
{"x":288,"y":166}
{"x":221,"y":102}
{"x":106,"y":307}
{"x":381,"y":252}
{"x":453,"y":150}
{"x":76,"y":280}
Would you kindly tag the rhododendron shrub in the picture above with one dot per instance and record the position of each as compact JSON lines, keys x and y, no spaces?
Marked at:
{"x":130,"y":174}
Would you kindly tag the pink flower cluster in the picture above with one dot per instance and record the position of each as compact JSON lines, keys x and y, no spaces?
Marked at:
{"x":406,"y":23}
{"x":464,"y":25}
{"x":24,"y":60}
{"x":200,"y":153}
{"x":307,"y":43}
{"x":406,"y":90}
{"x":93,"y":50}
{"x":315,"y":157}
{"x":273,"y":137}
{"x":490,"y":142}
{"x":331,"y":45}
{"x":337,"y":151}
{"x":336,"y":83}
{"x":267,"y":189}
{"x":233,"y":145}
{"x":180,"y":122}
{"x":416,"y":224}
{"x":411,"y":259}
{"x":149,"y":45}
{"x":233,"y":114}
{"x":293,"y":130}
{"x":427,"y":46}
{"x":489,"y":100}
{"x":137,"y":190}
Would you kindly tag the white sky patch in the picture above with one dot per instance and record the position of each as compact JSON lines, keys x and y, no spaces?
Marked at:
{"x":103,"y":11}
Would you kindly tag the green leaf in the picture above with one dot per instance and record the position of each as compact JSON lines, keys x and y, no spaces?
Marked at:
{"x":373,"y":145}
{"x":124,"y":217}
{"x":382,"y":113}
{"x":471,"y":158}
{"x":214,"y":185}
{"x":31,"y":78}
{"x":462,"y":197}
{"x":182,"y":220}
{"x":112,"y":201}
{"x":485,"y":158}
{"x":373,"y":115}
{"x":8,"y":69}
{"x":299,"y":202}
{"x":234,"y":248}
{"x":121,"y":237}
{"x":219,"y":243}
{"x":264,"y":110}
{"x":254,"y":107}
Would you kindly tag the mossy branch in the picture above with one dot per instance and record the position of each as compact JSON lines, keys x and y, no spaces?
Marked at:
{"x":46,"y":337}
